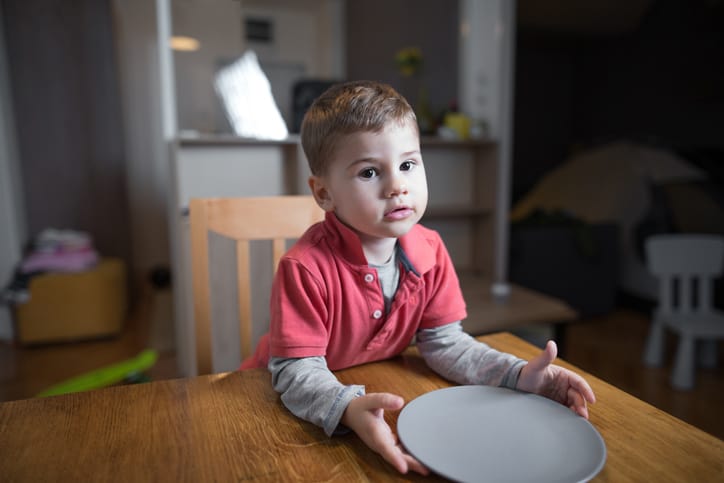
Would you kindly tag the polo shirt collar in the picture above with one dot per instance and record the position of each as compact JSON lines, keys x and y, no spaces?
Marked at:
{"x":417,"y":252}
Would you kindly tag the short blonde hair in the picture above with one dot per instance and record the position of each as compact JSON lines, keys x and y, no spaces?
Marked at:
{"x":347,"y":108}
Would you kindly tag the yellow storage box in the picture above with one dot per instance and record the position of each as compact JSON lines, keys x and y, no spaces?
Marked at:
{"x":74,"y":306}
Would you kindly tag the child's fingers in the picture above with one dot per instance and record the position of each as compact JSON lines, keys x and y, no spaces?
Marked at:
{"x":545,"y":358}
{"x":551,"y":350}
{"x":580,"y":385}
{"x":415,"y":465}
{"x":392,"y":454}
{"x":577,"y":402}
{"x":382,"y":400}
{"x":402,"y":461}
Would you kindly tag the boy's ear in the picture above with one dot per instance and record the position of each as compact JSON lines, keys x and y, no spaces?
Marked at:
{"x":320,"y":193}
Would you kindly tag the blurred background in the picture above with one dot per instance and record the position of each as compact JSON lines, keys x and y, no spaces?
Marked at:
{"x":614,"y":125}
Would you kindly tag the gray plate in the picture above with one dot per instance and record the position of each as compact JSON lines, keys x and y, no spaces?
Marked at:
{"x":481,"y":433}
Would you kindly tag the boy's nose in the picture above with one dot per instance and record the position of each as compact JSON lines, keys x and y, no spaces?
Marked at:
{"x":397,"y":187}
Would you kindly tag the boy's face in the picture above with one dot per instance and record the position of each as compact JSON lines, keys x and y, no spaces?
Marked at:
{"x":375,"y":182}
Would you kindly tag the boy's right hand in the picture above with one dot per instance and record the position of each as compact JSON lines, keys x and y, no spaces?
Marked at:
{"x":365,"y":416}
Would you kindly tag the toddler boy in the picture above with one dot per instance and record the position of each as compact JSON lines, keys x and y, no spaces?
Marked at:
{"x":361,"y":285}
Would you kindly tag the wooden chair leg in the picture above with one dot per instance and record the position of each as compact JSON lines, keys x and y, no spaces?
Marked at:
{"x":654,"y":350}
{"x":683,"y":375}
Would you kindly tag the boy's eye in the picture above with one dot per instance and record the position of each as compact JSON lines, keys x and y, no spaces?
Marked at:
{"x":407,"y":166}
{"x":368,"y":173}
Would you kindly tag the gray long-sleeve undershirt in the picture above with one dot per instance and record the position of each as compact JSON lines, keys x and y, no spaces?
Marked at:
{"x":311,"y":392}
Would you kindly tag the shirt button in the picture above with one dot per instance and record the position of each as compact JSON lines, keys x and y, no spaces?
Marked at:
{"x":377,"y":314}
{"x":369,"y":278}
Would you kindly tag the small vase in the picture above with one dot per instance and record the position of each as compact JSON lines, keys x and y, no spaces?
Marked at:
{"x":425,"y":119}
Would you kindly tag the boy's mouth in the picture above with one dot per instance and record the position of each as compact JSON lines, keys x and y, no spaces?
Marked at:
{"x":398,"y":213}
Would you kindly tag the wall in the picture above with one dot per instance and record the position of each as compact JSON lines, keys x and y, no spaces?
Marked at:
{"x":147,"y":158}
{"x":544,"y":97}
{"x":378,"y":29}
{"x":217,"y":26}
{"x":660,"y":83}
{"x":11,"y":200}
{"x":306,"y":44}
{"x":67,"y":115}
{"x":663,"y":83}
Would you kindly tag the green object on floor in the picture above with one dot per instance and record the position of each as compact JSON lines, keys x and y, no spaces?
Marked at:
{"x":105,"y":376}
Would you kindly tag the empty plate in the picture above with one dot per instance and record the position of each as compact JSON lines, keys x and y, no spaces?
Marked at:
{"x":482,"y":433}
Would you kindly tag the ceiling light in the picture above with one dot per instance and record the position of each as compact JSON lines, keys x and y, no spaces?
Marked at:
{"x":186,"y":44}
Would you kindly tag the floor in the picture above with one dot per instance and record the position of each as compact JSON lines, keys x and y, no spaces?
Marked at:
{"x":25,"y":371}
{"x":608,"y":347}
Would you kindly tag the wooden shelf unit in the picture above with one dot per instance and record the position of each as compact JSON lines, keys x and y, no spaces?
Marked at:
{"x":477,"y":161}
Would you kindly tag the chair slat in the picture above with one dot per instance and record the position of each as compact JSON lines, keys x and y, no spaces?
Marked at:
{"x":706,"y":303}
{"x":666,"y":290}
{"x":685,"y":294}
{"x":279,"y":247}
{"x":244,"y":291}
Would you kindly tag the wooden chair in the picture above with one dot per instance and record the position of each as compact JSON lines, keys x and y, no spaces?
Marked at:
{"x":686,"y":266}
{"x":278,"y":219}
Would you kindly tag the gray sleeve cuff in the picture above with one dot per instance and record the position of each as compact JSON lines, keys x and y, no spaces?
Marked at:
{"x":311,"y":392}
{"x":510,"y":380}
{"x":331,"y":421}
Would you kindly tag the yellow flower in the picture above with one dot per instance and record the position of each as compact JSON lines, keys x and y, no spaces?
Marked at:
{"x":409,"y":61}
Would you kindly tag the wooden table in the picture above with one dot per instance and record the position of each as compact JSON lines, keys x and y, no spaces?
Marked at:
{"x":233,"y":427}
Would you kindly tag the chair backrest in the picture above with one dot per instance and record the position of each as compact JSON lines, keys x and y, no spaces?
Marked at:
{"x":686,"y":265}
{"x":278,"y":218}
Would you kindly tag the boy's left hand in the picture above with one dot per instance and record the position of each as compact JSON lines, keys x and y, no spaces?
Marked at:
{"x":540,"y":376}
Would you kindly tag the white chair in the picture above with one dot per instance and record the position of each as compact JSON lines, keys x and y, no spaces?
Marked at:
{"x":686,"y":266}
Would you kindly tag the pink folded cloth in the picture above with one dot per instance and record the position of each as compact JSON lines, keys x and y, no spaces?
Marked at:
{"x":73,"y":261}
{"x":60,"y":251}
{"x":53,"y":240}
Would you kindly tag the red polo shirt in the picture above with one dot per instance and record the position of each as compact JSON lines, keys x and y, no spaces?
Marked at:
{"x":326,"y":301}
